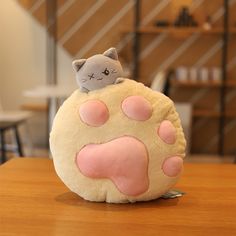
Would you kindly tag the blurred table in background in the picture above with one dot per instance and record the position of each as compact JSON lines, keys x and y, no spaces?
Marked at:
{"x":54,"y":94}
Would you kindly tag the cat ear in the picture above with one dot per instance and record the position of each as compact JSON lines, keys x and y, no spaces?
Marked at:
{"x":112,"y":53}
{"x":77,"y":64}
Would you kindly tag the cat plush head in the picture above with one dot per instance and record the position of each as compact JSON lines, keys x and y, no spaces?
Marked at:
{"x":98,"y":71}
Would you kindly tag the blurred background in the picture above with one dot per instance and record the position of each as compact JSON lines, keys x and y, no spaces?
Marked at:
{"x":183,"y":48}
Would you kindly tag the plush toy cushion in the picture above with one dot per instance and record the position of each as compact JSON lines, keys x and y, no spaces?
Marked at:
{"x":121,"y":143}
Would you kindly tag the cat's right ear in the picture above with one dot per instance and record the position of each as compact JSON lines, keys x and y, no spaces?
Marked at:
{"x":77,"y":64}
{"x":112,"y":53}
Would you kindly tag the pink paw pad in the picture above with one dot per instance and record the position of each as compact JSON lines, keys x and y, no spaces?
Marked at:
{"x":172,"y":166}
{"x":113,"y":160}
{"x":167,"y":132}
{"x":137,"y":108}
{"x":94,"y":113}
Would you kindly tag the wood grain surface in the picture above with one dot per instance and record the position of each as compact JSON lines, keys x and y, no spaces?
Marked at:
{"x":33,"y":201}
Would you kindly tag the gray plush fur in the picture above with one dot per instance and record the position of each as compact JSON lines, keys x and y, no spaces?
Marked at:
{"x":98,"y":71}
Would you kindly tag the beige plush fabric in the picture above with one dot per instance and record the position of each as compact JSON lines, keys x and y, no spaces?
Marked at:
{"x":69,"y":134}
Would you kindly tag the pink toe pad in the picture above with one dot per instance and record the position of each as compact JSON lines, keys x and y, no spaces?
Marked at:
{"x":94,"y":113}
{"x":137,"y":108}
{"x":167,"y":132}
{"x":113,"y":160}
{"x":172,"y":166}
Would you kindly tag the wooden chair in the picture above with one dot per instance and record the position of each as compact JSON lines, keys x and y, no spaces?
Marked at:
{"x":4,"y":126}
{"x":10,"y":120}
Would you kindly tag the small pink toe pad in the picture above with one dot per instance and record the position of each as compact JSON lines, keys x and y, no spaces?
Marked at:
{"x":94,"y":113}
{"x":167,"y":132}
{"x":137,"y":108}
{"x":172,"y":166}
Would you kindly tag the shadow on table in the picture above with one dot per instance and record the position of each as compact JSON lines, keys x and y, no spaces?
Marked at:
{"x":72,"y":199}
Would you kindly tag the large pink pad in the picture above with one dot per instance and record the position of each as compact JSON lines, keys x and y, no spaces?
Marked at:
{"x":123,"y":160}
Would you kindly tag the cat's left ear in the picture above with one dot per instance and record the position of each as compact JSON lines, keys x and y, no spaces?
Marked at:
{"x":77,"y":64}
{"x":112,"y":53}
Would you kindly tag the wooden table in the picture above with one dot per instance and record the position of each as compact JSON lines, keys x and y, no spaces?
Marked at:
{"x":33,"y":201}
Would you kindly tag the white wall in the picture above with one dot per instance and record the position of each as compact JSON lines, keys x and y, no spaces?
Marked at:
{"x":23,"y":61}
{"x":23,"y":55}
{"x":22,"y":51}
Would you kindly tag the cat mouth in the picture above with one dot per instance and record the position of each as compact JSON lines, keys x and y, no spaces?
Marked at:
{"x":100,"y":79}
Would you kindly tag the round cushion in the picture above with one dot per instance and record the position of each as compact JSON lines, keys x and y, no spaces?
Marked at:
{"x":122,"y":143}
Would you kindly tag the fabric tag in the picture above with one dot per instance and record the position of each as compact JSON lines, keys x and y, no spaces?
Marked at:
{"x":172,"y":194}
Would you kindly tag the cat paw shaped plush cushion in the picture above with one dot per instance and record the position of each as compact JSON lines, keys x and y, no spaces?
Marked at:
{"x":120,"y":143}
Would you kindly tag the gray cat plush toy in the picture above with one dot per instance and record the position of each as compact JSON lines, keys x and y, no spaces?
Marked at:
{"x":98,"y":71}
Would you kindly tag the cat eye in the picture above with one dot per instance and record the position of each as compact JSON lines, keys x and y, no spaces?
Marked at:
{"x":113,"y":71}
{"x":91,"y":76}
{"x":106,"y":72}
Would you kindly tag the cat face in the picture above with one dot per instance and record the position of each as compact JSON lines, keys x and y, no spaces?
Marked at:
{"x":98,"y":71}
